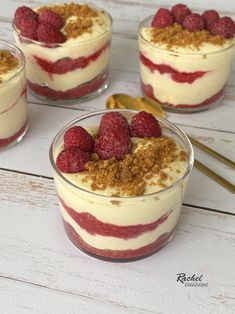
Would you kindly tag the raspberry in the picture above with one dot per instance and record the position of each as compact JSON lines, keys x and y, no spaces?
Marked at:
{"x":72,"y":160}
{"x":210,"y":17}
{"x":22,"y":13}
{"x":113,"y":144}
{"x":48,"y":16}
{"x":162,"y":18}
{"x":28,"y":28}
{"x":144,"y":124}
{"x":78,"y":137}
{"x":113,"y":121}
{"x":224,"y":26}
{"x":180,"y":11}
{"x":48,"y":34}
{"x":193,"y":22}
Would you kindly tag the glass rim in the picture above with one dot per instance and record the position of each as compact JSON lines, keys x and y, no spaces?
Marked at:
{"x":175,"y":52}
{"x":21,"y":57}
{"x":183,"y":137}
{"x":63,"y":45}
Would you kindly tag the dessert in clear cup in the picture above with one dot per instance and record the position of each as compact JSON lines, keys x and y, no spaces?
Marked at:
{"x":13,"y":106}
{"x":67,"y":49}
{"x":185,"y":58}
{"x":120,"y":178}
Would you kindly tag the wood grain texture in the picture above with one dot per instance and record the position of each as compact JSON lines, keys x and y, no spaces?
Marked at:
{"x":34,"y":248}
{"x":25,"y":298}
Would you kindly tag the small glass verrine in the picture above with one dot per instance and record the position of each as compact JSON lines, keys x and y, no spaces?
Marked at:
{"x":70,"y":72}
{"x":119,"y":228}
{"x":13,"y":95}
{"x":180,"y":78}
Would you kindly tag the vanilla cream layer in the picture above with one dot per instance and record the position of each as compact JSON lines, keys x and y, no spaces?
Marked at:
{"x":71,"y":79}
{"x":11,"y":90}
{"x":121,"y":211}
{"x":113,"y":243}
{"x":14,"y":119}
{"x":6,"y":76}
{"x":167,"y":90}
{"x":213,"y":59}
{"x":13,"y":106}
{"x":124,"y":211}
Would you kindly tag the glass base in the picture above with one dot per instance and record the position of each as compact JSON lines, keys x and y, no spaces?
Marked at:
{"x":76,"y":240}
{"x":211,"y":102}
{"x":16,"y":138}
{"x":193,"y":110}
{"x":74,"y":101}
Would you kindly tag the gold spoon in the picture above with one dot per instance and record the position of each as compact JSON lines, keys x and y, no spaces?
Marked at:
{"x":124,"y":101}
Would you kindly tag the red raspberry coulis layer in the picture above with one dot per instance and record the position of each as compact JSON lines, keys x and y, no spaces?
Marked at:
{"x":67,"y":64}
{"x":147,"y":90}
{"x":179,"y":77}
{"x":94,"y":226}
{"x":118,"y":254}
{"x":6,"y":141}
{"x":76,"y":92}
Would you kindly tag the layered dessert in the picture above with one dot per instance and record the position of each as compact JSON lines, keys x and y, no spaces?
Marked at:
{"x":120,"y":182}
{"x":185,"y":58}
{"x":13,"y":107}
{"x":67,"y":48}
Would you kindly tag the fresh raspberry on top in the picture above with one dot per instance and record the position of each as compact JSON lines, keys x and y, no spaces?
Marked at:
{"x":72,"y":160}
{"x":180,"y":11}
{"x":224,"y":26}
{"x":144,"y":124}
{"x":49,"y":16}
{"x":162,"y":18}
{"x":22,"y":13}
{"x":78,"y":137}
{"x":210,"y":17}
{"x":193,"y":22}
{"x":48,"y":34}
{"x":28,"y":28}
{"x":113,"y":144}
{"x":113,"y":121}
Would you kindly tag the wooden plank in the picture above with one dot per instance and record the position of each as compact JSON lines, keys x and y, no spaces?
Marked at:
{"x":34,"y":248}
{"x":203,"y":191}
{"x":26,"y":298}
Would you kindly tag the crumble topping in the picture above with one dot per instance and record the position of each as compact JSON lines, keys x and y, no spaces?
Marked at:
{"x":8,"y":62}
{"x":78,"y":18}
{"x":176,"y":36}
{"x":129,"y":176}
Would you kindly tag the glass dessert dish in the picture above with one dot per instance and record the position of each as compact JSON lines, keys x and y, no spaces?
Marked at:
{"x":13,"y":107}
{"x":120,"y":227}
{"x":70,"y":64}
{"x":187,"y":77}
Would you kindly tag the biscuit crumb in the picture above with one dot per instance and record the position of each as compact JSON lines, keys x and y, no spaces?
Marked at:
{"x":129,"y":176}
{"x":176,"y":36}
{"x":81,"y":22}
{"x":8,"y":62}
{"x":115,"y":202}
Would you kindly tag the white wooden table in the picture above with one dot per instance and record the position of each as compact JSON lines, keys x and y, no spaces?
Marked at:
{"x":40,"y":269}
